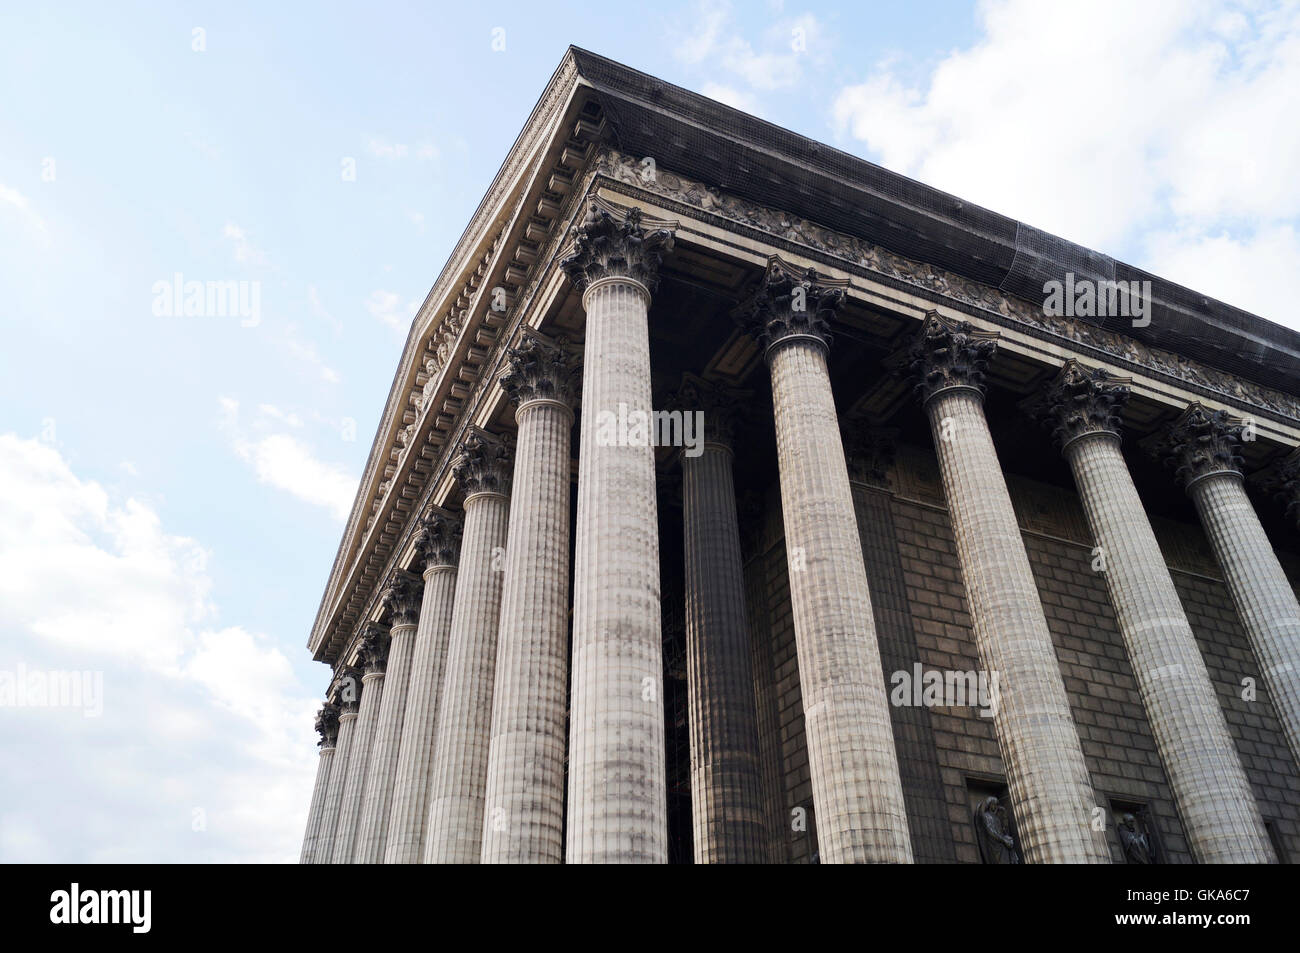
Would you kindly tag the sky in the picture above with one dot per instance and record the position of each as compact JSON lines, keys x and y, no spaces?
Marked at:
{"x":174,"y":480}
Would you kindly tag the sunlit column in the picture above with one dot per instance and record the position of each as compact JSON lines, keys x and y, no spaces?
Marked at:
{"x":524,"y":814}
{"x":857,"y":792}
{"x":618,"y":803}
{"x":1051,"y":791}
{"x":455,"y":825}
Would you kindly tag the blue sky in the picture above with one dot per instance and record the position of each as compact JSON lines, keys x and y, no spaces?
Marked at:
{"x":173,"y":488}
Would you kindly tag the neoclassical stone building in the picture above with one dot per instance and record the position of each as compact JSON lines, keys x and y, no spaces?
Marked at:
{"x":946,"y":576}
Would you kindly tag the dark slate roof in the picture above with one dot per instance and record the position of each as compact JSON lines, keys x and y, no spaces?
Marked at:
{"x":706,"y":140}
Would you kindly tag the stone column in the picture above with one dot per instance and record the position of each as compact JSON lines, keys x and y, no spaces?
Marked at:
{"x":618,"y":804}
{"x":373,"y":658}
{"x":726,"y":785}
{"x":1204,"y":448}
{"x":857,"y":794}
{"x":402,"y":603}
{"x":524,"y":815}
{"x":327,"y":725}
{"x":1209,"y":785}
{"x":455,"y":826}
{"x":346,"y":691}
{"x":437,"y":552}
{"x":1051,"y":791}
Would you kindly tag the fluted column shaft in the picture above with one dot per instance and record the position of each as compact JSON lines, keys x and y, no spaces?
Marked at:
{"x":315,"y":814}
{"x":1213,"y":797}
{"x":377,"y":798}
{"x":1263,"y":595}
{"x":618,"y":804}
{"x":455,"y":824}
{"x":857,"y":792}
{"x":345,"y":836}
{"x":726,"y":791}
{"x":1048,"y":779}
{"x":524,"y":814}
{"x":414,"y":776}
{"x":330,"y":810}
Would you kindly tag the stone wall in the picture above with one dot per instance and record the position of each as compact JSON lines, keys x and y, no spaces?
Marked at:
{"x":948,"y":757}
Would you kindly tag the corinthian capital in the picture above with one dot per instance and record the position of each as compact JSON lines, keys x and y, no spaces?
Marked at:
{"x":950,"y":354}
{"x":721,"y":409}
{"x":346,"y":690}
{"x":540,"y":368}
{"x":483,"y":464}
{"x":1201,"y":442}
{"x":327,"y":725}
{"x":373,"y":657}
{"x":613,"y":242}
{"x":1082,"y":400}
{"x":791,"y":304}
{"x":1288,"y":485}
{"x":402,"y":599}
{"x":437,"y":541}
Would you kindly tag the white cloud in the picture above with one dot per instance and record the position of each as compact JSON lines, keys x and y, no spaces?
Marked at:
{"x":201,"y":726}
{"x":1167,"y":126}
{"x":245,"y":252}
{"x":382,"y":148}
{"x":713,"y":39}
{"x":306,"y":352}
{"x":286,"y":462}
{"x":20,"y":203}
{"x":387,"y":308}
{"x":1229,"y":268}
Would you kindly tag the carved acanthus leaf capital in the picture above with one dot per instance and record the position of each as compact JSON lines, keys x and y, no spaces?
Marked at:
{"x":327,"y":725}
{"x":541,"y":368}
{"x":1082,"y":400}
{"x":483,"y":464}
{"x":791,"y":304}
{"x":373,"y":657}
{"x":401,"y":598}
{"x":437,"y":541}
{"x":613,"y":242}
{"x":1287,"y":485}
{"x":345,"y":690}
{"x":722,"y":409}
{"x":1201,"y":442}
{"x":949,"y":354}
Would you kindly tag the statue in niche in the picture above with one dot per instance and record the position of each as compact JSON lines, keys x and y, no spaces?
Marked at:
{"x":1137,"y":845}
{"x":993,"y":832}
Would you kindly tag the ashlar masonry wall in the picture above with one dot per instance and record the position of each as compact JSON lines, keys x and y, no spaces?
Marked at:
{"x":949,"y":756}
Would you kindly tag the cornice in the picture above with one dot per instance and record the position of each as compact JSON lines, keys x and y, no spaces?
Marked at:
{"x":466,"y":354}
{"x":450,"y":338}
{"x":783,"y":229}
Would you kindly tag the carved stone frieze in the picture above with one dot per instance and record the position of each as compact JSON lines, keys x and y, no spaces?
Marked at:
{"x":625,"y":169}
